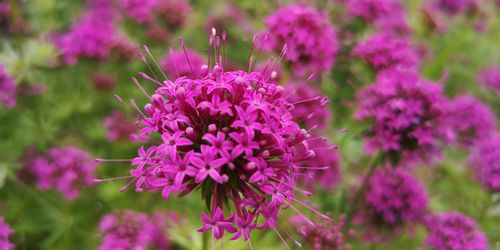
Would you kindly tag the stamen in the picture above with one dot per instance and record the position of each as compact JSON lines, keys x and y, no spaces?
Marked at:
{"x":314,"y":168}
{"x":154,"y":60}
{"x":326,"y":217}
{"x":173,"y":62}
{"x":143,"y":75}
{"x":143,"y":58}
{"x":289,"y":236}
{"x":302,"y":215}
{"x":112,"y":160}
{"x":132,"y":101}
{"x":185,"y":53}
{"x":307,"y":100}
{"x":282,"y":240}
{"x":251,"y":51}
{"x":112,"y":179}
{"x":140,"y":87}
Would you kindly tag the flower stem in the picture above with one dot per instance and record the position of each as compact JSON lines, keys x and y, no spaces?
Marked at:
{"x":361,"y":191}
{"x":204,"y":240}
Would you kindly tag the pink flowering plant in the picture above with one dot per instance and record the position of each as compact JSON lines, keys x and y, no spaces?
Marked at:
{"x":182,"y":124}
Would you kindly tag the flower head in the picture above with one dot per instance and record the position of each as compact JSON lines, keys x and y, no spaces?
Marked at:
{"x":470,"y":119}
{"x":387,"y":15}
{"x":5,"y":232}
{"x":66,"y":169}
{"x":140,"y":11}
{"x":133,"y":230}
{"x":93,"y":36}
{"x":310,"y":109}
{"x":118,"y":126}
{"x":406,"y":112}
{"x":490,"y":78}
{"x":229,"y":135}
{"x":310,"y":39}
{"x":394,"y":197}
{"x":454,"y":7}
{"x":176,"y":64}
{"x":453,"y":230}
{"x":384,"y":51}
{"x":485,"y":160}
{"x":8,"y":89}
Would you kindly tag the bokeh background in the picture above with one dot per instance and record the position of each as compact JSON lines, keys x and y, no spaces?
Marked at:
{"x":61,"y":104}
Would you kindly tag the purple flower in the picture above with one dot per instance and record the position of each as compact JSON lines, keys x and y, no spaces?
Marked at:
{"x":173,"y":12}
{"x":217,"y":224}
{"x":384,"y":51}
{"x":485,"y":161}
{"x":387,"y":15}
{"x":118,"y":127}
{"x":139,"y":10}
{"x":127,"y":229}
{"x":93,"y":36}
{"x":394,"y":197}
{"x":469,"y":119}
{"x":66,"y":169}
{"x":406,"y":113}
{"x":453,"y":230}
{"x":323,"y":235}
{"x":490,"y":78}
{"x":8,"y":89}
{"x":310,"y":109}
{"x":5,"y":232}
{"x":176,"y":64}
{"x":310,"y":39}
{"x":230,"y":136}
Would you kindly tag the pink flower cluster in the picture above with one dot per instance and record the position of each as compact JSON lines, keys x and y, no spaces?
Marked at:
{"x":395,"y":196}
{"x":386,"y":15}
{"x":310,"y":109}
{"x":128,"y":229}
{"x":406,"y":112}
{"x":470,"y":120}
{"x":454,"y":230}
{"x":310,"y":39}
{"x":66,"y":169}
{"x":485,"y":160}
{"x":5,"y":232}
{"x":177,"y":64}
{"x":172,"y":12}
{"x":385,"y":51}
{"x":490,"y":78}
{"x":8,"y":89}
{"x":324,"y":235}
{"x":229,"y":135}
{"x":118,"y":126}
{"x":92,"y":36}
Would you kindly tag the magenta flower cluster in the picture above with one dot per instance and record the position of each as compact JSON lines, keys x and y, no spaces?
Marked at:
{"x":385,"y":51}
{"x":118,"y":126}
{"x":469,"y":120}
{"x":310,"y":39}
{"x":395,"y":196}
{"x":453,"y":230}
{"x":128,"y":229}
{"x":386,"y":15}
{"x":173,"y":12}
{"x":8,"y":89}
{"x":407,"y":114}
{"x":93,"y":36}
{"x":490,"y":78}
{"x":485,"y":160}
{"x":229,"y":135}
{"x":177,"y":64}
{"x":324,"y":235}
{"x":140,"y":11}
{"x":65,"y":169}
{"x":5,"y":232}
{"x":311,"y":110}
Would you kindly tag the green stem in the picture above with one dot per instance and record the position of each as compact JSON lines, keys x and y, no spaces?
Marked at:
{"x":361,"y":191}
{"x":204,"y":241}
